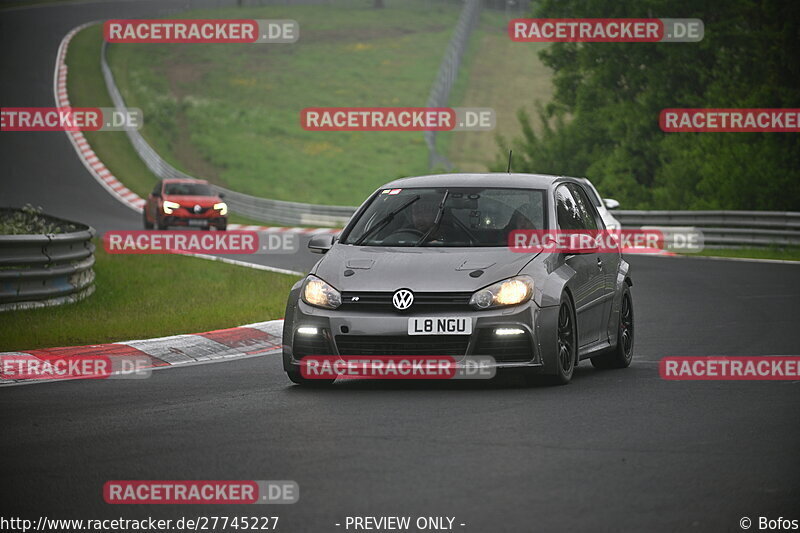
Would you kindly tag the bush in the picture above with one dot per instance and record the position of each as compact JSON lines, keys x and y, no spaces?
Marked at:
{"x":603,"y":120}
{"x":30,"y":221}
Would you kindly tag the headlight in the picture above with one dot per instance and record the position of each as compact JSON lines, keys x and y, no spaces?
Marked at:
{"x":511,"y":291}
{"x":319,"y":293}
{"x":222,"y":207}
{"x":169,"y":206}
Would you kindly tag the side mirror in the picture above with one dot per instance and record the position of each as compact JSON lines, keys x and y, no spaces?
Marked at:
{"x":610,"y":203}
{"x":156,"y":195}
{"x":319,"y":244}
{"x":221,"y":195}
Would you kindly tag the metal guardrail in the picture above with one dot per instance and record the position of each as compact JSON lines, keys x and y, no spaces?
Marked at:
{"x":448,"y":72}
{"x":268,"y":210}
{"x":725,"y":228}
{"x":46,"y":270}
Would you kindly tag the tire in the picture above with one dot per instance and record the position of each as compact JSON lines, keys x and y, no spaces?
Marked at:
{"x":567,"y":345}
{"x":621,"y":355}
{"x":160,"y":225}
{"x":298,"y":379}
{"x":147,"y":224}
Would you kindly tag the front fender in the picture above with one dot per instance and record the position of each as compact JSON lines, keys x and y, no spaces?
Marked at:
{"x":623,"y":278}
{"x":557,"y":278}
{"x":288,"y":322}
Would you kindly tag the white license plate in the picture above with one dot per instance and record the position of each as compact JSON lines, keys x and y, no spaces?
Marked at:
{"x":198,"y":222}
{"x":440,"y":326}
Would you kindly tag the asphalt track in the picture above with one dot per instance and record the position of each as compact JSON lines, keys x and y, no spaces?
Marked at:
{"x":614,"y":450}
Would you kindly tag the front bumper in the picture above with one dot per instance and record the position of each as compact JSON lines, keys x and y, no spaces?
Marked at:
{"x":195,"y":221}
{"x":374,"y":334}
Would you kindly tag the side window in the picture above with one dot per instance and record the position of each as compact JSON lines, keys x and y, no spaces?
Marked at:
{"x":585,"y":207}
{"x":567,"y":210}
{"x":157,"y":188}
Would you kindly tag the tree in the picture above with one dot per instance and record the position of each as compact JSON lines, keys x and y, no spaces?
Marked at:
{"x":608,"y":97}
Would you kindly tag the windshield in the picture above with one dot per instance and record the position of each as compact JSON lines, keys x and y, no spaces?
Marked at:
{"x":188,"y":189}
{"x":455,"y":216}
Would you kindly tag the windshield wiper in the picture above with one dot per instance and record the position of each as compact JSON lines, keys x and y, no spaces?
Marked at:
{"x":436,"y":221}
{"x":385,"y":220}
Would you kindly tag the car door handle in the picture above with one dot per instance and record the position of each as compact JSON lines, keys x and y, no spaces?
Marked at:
{"x":599,"y":263}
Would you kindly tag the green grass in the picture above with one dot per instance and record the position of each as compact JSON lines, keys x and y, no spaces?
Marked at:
{"x":87,"y":88}
{"x":230,"y":113}
{"x":145,"y":296}
{"x":788,"y":253}
{"x":505,"y":76}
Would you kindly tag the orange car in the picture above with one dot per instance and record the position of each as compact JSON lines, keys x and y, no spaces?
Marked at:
{"x":183,"y":202}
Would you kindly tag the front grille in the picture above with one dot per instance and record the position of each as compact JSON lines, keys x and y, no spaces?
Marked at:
{"x":370,"y":345}
{"x":311,"y":345}
{"x":504,"y":348}
{"x":430,"y":301}
{"x":190,"y":209}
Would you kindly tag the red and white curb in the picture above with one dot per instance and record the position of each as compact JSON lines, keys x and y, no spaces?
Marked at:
{"x":281,"y":229}
{"x":102,"y":174}
{"x":251,"y":340}
{"x":85,"y":153}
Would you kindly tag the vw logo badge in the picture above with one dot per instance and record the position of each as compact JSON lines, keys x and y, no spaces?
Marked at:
{"x":403,"y":299}
{"x":197,"y":208}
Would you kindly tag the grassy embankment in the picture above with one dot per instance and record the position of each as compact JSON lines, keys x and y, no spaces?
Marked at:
{"x":144,"y":296}
{"x":230,"y":113}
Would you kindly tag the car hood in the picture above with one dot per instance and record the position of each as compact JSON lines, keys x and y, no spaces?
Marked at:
{"x":419,"y":269}
{"x":202,"y":201}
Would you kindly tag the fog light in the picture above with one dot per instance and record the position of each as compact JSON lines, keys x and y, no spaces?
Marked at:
{"x":306,"y":330}
{"x":509,"y":331}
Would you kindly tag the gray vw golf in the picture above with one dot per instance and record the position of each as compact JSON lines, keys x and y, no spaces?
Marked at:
{"x":424,"y":268}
